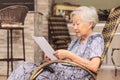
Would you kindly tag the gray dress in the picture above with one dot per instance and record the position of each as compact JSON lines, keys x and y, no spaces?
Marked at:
{"x":92,"y":47}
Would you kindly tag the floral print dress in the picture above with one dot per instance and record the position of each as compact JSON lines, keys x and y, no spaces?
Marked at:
{"x":92,"y":47}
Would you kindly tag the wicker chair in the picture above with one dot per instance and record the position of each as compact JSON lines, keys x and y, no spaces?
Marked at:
{"x":13,"y":14}
{"x":58,"y":33}
{"x":9,"y":16}
{"x":108,"y":34}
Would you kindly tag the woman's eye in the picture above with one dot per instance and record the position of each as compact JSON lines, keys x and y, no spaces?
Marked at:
{"x":78,"y":23}
{"x":73,"y":24}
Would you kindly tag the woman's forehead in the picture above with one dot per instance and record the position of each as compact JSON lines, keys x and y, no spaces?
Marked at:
{"x":76,"y":18}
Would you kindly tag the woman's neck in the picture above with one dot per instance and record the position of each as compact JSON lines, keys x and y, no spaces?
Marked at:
{"x":83,"y":38}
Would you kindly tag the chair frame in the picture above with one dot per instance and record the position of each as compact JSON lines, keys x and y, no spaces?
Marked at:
{"x":107,"y":39}
{"x":13,"y":15}
{"x":113,"y":61}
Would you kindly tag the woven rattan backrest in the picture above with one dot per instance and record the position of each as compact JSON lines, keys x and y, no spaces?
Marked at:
{"x":58,"y":32}
{"x":13,"y":14}
{"x":110,"y":29}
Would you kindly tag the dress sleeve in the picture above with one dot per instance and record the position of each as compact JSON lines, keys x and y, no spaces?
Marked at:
{"x":97,"y":47}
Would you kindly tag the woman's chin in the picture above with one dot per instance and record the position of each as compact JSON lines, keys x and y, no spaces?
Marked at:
{"x":78,"y":35}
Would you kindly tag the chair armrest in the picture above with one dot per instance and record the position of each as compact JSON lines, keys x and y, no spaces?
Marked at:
{"x":40,"y":68}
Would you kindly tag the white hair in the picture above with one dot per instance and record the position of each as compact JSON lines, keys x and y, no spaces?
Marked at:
{"x":88,"y":14}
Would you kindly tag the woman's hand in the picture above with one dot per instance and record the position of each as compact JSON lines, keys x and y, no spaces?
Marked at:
{"x":46,"y":58}
{"x":61,"y":54}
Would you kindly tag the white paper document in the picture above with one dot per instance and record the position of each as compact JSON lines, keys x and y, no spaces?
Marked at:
{"x":45,"y":46}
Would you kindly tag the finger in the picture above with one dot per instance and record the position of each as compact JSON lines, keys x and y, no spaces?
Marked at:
{"x":55,"y":53}
{"x":49,"y":59}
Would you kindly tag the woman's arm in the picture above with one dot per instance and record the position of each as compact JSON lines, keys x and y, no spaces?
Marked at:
{"x":92,"y":64}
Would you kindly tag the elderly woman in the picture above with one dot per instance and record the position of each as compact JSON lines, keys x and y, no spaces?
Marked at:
{"x":86,"y":49}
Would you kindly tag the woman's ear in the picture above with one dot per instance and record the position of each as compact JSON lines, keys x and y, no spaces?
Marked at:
{"x":91,"y":24}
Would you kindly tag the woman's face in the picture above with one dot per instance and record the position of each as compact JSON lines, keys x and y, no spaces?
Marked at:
{"x":80,"y":27}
